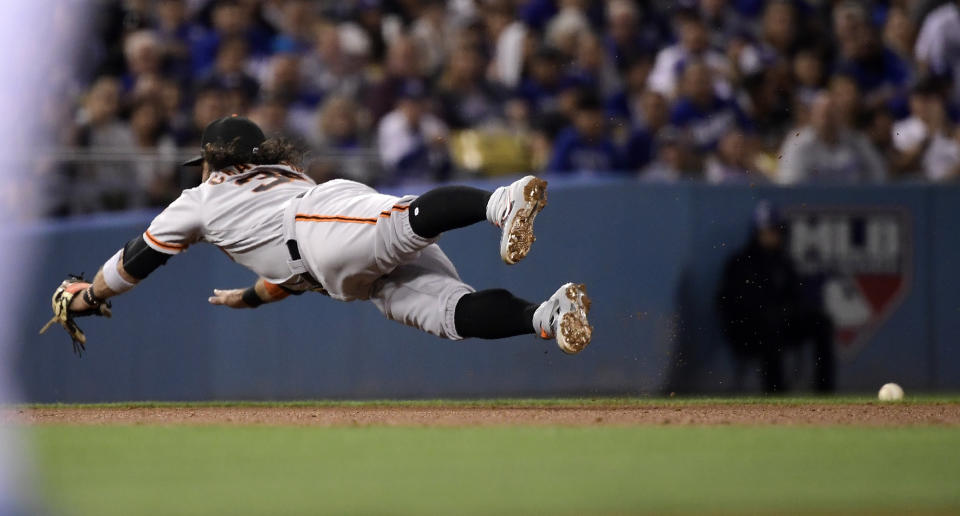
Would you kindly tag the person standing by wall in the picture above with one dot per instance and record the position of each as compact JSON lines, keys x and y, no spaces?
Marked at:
{"x":762,"y":309}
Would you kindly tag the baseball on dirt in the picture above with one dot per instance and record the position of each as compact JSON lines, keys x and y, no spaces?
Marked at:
{"x":890,"y":392}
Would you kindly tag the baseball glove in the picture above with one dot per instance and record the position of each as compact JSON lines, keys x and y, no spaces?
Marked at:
{"x":62,"y":296}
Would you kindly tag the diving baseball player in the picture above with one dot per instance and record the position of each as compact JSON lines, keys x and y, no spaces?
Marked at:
{"x":340,"y":238}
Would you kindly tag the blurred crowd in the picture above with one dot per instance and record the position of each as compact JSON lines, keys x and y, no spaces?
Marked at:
{"x":394,"y":91}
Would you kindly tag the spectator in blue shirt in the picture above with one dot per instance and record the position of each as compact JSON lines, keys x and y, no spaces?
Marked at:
{"x":542,"y":88}
{"x":296,"y":27}
{"x":411,"y":140}
{"x":631,"y":35}
{"x":700,"y":112}
{"x":466,"y":98}
{"x":586,"y":146}
{"x":229,"y":74}
{"x":536,"y":13}
{"x":175,"y":32}
{"x":724,"y":24}
{"x":880,"y":73}
{"x":624,"y":107}
{"x":592,"y":67}
{"x":640,"y":149}
{"x":748,"y":8}
{"x":229,"y":19}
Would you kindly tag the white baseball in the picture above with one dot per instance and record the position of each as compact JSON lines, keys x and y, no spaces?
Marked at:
{"x":890,"y":392}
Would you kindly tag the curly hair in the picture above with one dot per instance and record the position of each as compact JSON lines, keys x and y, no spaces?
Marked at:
{"x":270,"y":152}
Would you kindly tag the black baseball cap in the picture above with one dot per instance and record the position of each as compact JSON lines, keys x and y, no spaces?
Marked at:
{"x":237,"y":129}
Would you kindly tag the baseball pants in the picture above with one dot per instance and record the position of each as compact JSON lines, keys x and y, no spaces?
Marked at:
{"x":359,"y":244}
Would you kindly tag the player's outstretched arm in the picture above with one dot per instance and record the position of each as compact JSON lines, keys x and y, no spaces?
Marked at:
{"x":121,"y":272}
{"x":261,"y":292}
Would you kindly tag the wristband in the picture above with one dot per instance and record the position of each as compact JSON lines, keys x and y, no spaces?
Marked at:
{"x":251,"y":298}
{"x":112,"y":277}
{"x":90,"y":298}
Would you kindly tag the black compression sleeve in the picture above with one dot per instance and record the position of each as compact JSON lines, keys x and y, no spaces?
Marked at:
{"x":139,"y":259}
{"x":493,"y":314}
{"x":446,"y":208}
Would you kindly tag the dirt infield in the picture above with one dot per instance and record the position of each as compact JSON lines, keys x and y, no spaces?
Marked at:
{"x":367,"y":415}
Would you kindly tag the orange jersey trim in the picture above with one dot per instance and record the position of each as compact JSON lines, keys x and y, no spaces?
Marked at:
{"x":334,"y":218}
{"x":165,"y":245}
{"x":386,"y":213}
{"x":352,"y":220}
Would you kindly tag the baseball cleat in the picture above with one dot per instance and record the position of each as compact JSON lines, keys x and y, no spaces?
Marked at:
{"x":564,"y":317}
{"x":514,"y":208}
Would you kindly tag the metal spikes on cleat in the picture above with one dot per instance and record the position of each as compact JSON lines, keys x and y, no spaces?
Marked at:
{"x":525,"y":198}
{"x":564,"y":316}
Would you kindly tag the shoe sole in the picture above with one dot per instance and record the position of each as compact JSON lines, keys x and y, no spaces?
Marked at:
{"x":575,"y":331}
{"x":519,"y":237}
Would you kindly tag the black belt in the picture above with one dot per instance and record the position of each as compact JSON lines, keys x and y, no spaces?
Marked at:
{"x":306,"y":277}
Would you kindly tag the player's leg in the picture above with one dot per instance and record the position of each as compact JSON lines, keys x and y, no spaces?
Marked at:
{"x":496,"y":313}
{"x":447,"y":207}
{"x":513,"y":208}
{"x":428,"y":294}
{"x":423,"y":293}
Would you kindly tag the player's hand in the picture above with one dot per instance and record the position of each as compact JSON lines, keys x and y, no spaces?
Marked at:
{"x":65,"y":309}
{"x":232,"y":298}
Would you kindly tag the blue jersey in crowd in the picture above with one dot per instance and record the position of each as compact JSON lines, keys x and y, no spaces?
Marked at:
{"x":705,"y":125}
{"x":574,"y":153}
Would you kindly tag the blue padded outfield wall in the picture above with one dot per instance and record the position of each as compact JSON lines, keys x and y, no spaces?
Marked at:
{"x":650,"y":255}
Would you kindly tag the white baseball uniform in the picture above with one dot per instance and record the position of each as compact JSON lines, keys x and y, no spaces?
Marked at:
{"x":356,"y":242}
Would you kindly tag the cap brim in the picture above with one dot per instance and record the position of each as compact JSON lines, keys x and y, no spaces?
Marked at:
{"x":194,"y":162}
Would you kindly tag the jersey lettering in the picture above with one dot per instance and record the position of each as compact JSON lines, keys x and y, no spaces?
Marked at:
{"x":273,"y":176}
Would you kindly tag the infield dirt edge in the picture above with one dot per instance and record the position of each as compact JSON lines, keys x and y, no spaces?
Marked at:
{"x":516,"y":414}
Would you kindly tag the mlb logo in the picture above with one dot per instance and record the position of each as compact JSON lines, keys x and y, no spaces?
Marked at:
{"x":859,"y":259}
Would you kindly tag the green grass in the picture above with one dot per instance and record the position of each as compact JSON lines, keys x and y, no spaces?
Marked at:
{"x":511,"y":402}
{"x":133,"y":470}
